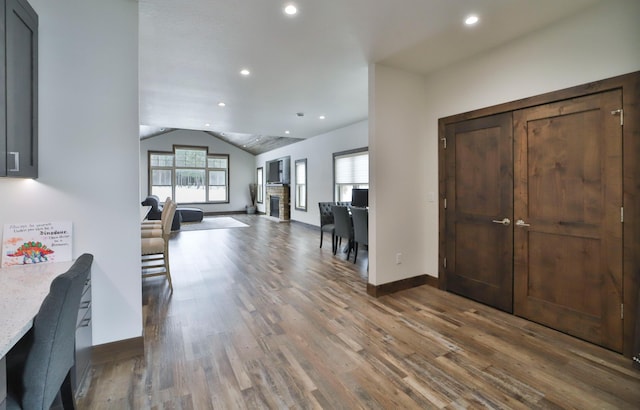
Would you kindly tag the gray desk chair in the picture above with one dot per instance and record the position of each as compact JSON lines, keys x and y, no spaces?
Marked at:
{"x":39,"y":366}
{"x":360,"y":228}
{"x":326,"y":222}
{"x":343,"y":227}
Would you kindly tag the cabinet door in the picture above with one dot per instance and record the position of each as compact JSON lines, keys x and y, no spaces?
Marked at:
{"x":21,"y":89}
{"x":479,"y":191}
{"x":568,"y":195}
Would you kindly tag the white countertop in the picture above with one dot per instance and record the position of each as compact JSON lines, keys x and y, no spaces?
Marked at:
{"x":22,"y":290}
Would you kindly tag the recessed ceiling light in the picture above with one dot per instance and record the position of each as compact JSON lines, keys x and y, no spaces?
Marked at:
{"x":207,"y":125}
{"x":322,"y":117}
{"x":221,"y":104}
{"x":245,"y":72}
{"x":290,"y":9}
{"x":471,"y":20}
{"x":287,"y":132}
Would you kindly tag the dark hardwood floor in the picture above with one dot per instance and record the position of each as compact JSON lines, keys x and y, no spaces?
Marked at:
{"x":262,"y":318}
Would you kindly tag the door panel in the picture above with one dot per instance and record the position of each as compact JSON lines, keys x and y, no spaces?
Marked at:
{"x":568,"y":190}
{"x":479,"y":186}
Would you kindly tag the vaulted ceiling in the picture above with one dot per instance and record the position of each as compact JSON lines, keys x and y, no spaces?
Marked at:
{"x":305,"y":66}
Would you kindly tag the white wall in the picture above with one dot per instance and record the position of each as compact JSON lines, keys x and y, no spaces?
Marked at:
{"x":400,"y":211}
{"x":319,"y":154}
{"x":88,"y":122}
{"x":598,"y":43}
{"x":241,"y":165}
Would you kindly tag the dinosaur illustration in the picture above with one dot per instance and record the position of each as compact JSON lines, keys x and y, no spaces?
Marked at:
{"x":34,"y":251}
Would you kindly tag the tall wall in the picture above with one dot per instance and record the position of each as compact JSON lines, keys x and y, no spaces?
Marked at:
{"x":319,"y":154}
{"x":598,"y":43}
{"x":89,"y":150}
{"x":241,"y":165}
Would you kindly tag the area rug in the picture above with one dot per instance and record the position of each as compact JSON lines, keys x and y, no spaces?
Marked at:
{"x":215,"y":222}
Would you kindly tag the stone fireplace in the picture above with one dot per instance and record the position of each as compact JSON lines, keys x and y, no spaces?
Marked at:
{"x":277,"y":202}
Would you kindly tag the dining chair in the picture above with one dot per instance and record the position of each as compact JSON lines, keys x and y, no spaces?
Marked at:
{"x":39,"y":365}
{"x":360,"y":218}
{"x":153,"y":229}
{"x":343,"y":227}
{"x":157,"y":224}
{"x":326,"y":222}
{"x":155,"y":250}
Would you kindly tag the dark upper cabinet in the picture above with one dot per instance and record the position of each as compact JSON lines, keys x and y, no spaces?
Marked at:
{"x":19,"y":90}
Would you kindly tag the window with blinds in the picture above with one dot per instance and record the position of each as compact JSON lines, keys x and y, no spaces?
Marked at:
{"x":351,"y":170}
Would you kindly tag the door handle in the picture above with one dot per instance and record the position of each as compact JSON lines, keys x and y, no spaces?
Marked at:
{"x":522,"y":223}
{"x":505,"y":222}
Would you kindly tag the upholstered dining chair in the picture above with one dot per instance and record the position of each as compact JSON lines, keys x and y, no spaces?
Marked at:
{"x":157,"y":224}
{"x":39,"y":366}
{"x":326,"y":222}
{"x":177,"y":217}
{"x":360,"y":217}
{"x":153,"y":229}
{"x":343,"y":227}
{"x":155,"y":250}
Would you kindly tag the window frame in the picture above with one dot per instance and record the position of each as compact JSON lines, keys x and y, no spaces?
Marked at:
{"x":151,"y":168}
{"x":226,"y":175}
{"x":260,"y":182}
{"x":173,"y":168}
{"x":298,"y":205}
{"x":336,"y":187}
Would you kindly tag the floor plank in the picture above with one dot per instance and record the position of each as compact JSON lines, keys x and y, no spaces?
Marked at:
{"x":261,"y":317}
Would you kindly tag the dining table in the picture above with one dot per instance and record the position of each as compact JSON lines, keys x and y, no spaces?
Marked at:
{"x":23,"y":288}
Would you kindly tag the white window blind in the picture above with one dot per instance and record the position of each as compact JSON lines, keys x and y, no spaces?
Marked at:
{"x":301,"y":173}
{"x":352,"y":168}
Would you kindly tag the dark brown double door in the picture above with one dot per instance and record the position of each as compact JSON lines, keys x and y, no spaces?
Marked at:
{"x":533,"y":215}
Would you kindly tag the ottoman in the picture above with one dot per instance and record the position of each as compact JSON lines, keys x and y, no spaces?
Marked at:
{"x":191,"y":214}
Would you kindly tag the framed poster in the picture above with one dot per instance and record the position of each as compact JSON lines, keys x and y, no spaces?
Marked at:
{"x":36,"y":242}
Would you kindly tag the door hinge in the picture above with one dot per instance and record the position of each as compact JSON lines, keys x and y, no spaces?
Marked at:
{"x":445,"y":203}
{"x":444,"y":263}
{"x":622,"y":214}
{"x":621,"y":310}
{"x":619,"y":112}
{"x":444,"y":142}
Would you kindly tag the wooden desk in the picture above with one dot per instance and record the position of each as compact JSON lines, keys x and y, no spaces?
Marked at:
{"x":22,"y":290}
